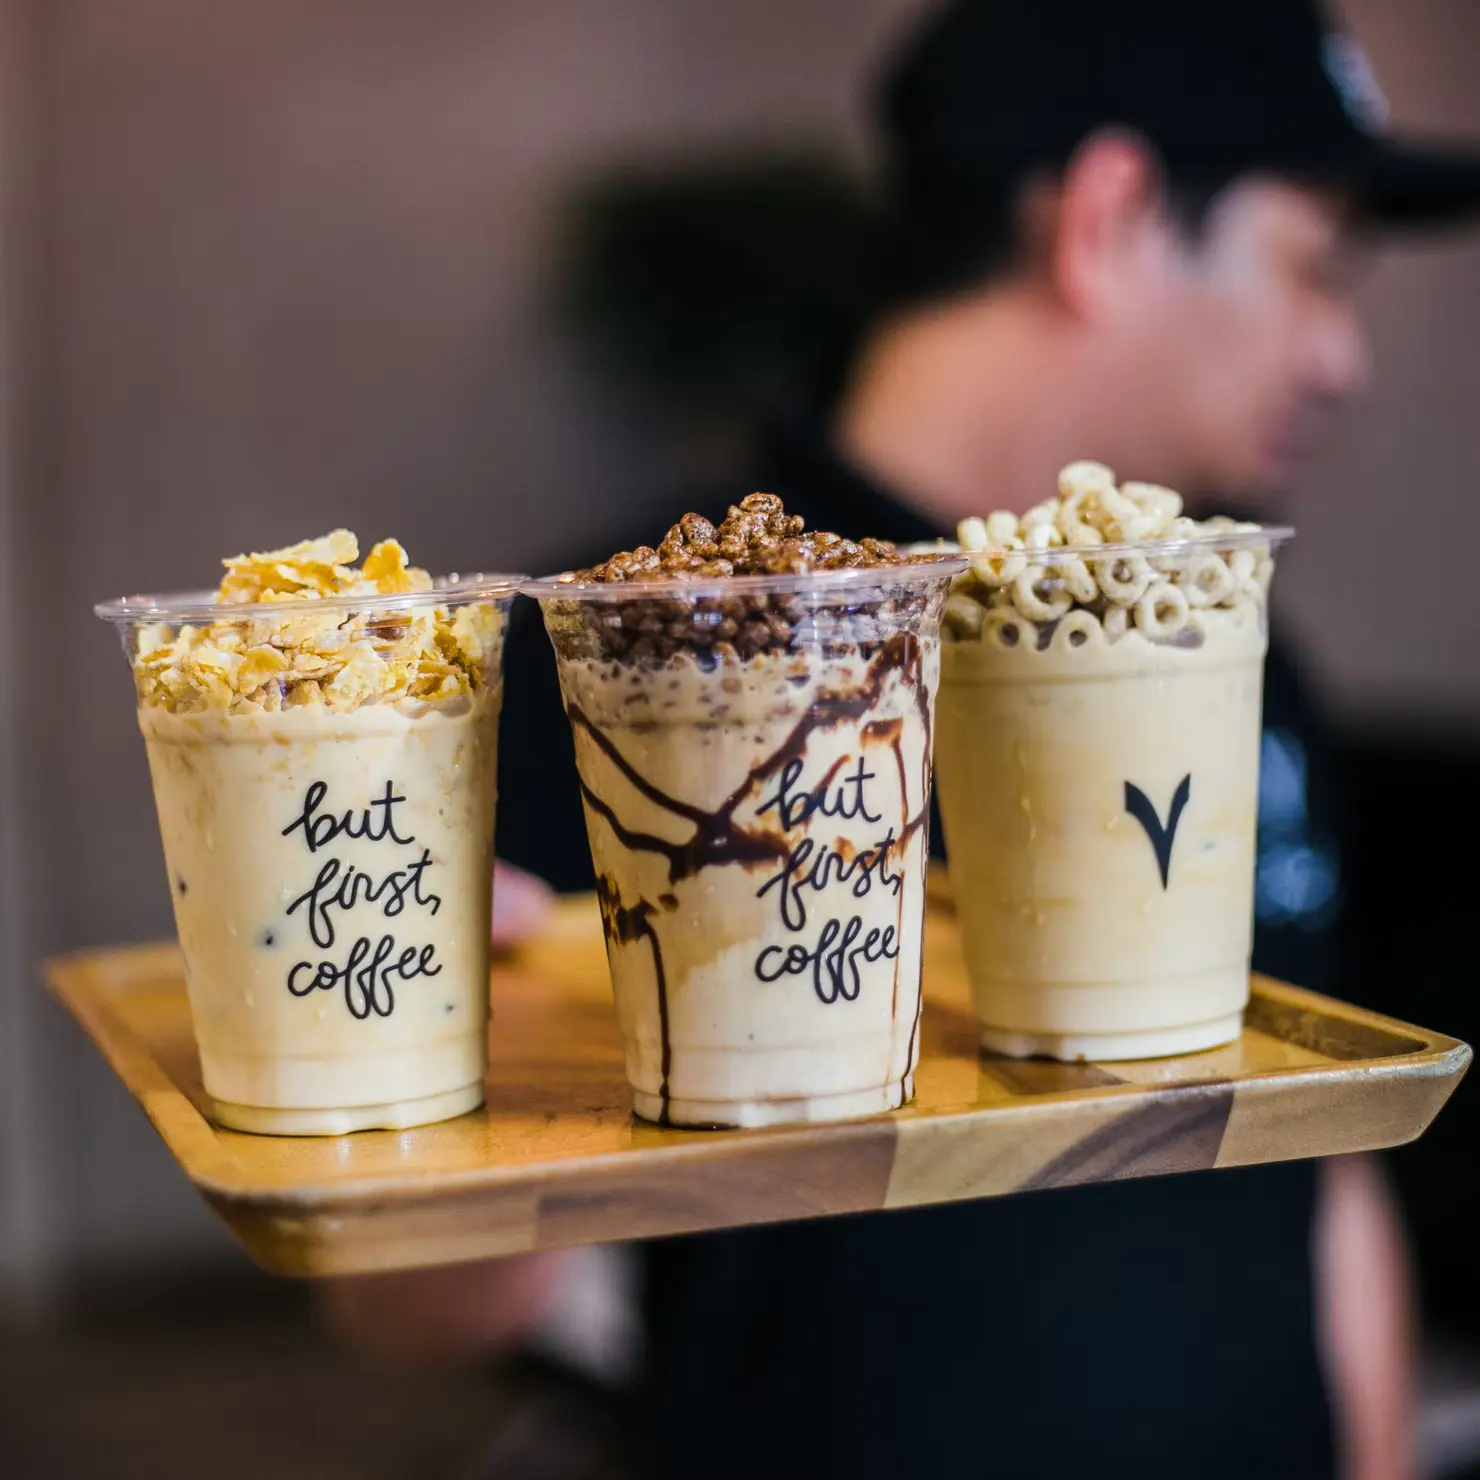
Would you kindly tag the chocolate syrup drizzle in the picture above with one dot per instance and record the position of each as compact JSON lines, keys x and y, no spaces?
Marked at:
{"x":626,"y":925}
{"x":718,"y":839}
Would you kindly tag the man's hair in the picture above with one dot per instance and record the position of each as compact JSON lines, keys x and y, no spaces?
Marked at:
{"x":715,"y":281}
{"x":932,"y":256}
{"x":724,"y":284}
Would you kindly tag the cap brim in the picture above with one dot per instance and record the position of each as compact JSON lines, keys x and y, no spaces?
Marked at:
{"x":1417,"y":185}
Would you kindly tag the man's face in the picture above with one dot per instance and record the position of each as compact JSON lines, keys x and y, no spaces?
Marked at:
{"x":1252,"y":332}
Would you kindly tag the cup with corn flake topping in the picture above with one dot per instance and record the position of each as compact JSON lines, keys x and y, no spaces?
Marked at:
{"x":323,"y":744}
{"x":1097,"y":750}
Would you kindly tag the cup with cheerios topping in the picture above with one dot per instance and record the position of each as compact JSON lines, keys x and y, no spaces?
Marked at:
{"x":1097,"y":752}
{"x":323,"y":740}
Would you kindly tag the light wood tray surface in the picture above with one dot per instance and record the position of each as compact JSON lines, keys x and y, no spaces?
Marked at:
{"x":556,"y":1157}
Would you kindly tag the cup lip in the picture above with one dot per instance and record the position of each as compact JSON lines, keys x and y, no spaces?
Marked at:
{"x":1264,"y":536}
{"x":201,"y":606}
{"x":918,"y":570}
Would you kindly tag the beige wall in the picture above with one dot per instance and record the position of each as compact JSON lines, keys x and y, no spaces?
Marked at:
{"x":280,"y":271}
{"x":21,"y":1230}
{"x":1379,"y":583}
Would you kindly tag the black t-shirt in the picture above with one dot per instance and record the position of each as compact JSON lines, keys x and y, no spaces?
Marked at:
{"x":1158,"y":1328}
{"x":1151,"y":1328}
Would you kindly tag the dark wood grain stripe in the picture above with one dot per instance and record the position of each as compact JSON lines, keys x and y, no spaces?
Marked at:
{"x":1326,"y":1034}
{"x":1046,"y":1076}
{"x":762,"y":1183}
{"x":1180,"y":1130}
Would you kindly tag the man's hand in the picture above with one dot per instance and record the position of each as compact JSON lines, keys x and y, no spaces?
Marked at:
{"x":521,"y":905}
{"x":456,"y":1315}
{"x":464,"y":1312}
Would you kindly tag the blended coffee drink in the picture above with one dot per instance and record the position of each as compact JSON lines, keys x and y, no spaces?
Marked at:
{"x":1099,"y":730}
{"x":751,"y":707}
{"x":323,"y":745}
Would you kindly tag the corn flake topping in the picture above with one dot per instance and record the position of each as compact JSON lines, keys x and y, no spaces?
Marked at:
{"x":337,"y":660}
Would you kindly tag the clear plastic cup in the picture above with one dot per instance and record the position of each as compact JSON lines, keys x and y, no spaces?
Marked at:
{"x":1098,"y":753}
{"x":327,"y":818}
{"x":754,"y":755}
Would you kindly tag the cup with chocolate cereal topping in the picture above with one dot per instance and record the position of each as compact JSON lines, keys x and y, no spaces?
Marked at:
{"x":1099,"y":737}
{"x":751,"y":706}
{"x":322,"y":740}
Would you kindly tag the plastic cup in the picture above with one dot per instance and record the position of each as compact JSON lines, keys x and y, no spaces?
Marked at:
{"x":330,"y":855}
{"x":754,"y":756}
{"x":1099,"y":737}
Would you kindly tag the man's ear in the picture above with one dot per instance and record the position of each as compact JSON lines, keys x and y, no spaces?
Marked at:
{"x":1107,"y":209}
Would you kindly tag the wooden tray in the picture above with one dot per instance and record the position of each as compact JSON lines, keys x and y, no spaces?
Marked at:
{"x":556,"y":1157}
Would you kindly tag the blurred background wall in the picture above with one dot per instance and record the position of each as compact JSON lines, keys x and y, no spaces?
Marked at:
{"x":269,"y":268}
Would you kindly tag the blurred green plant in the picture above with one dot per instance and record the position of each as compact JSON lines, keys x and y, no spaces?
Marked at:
{"x":717,"y":284}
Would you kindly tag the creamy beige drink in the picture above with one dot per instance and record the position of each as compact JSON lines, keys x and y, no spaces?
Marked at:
{"x":323,"y":745}
{"x":751,"y":709}
{"x":1099,"y":765}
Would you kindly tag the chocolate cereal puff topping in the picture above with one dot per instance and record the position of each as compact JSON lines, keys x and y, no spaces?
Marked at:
{"x":757,"y":538}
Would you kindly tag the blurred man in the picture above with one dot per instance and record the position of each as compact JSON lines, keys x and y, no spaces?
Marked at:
{"x":1125,"y":231}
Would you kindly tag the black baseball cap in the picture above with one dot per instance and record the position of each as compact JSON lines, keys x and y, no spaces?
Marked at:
{"x":986,"y":92}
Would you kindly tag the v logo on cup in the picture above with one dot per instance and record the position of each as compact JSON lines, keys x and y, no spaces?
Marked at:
{"x":1138,"y":804}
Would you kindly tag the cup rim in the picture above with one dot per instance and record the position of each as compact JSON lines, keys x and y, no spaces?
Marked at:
{"x":201,"y":606}
{"x":1265,"y":536}
{"x":932,"y":567}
